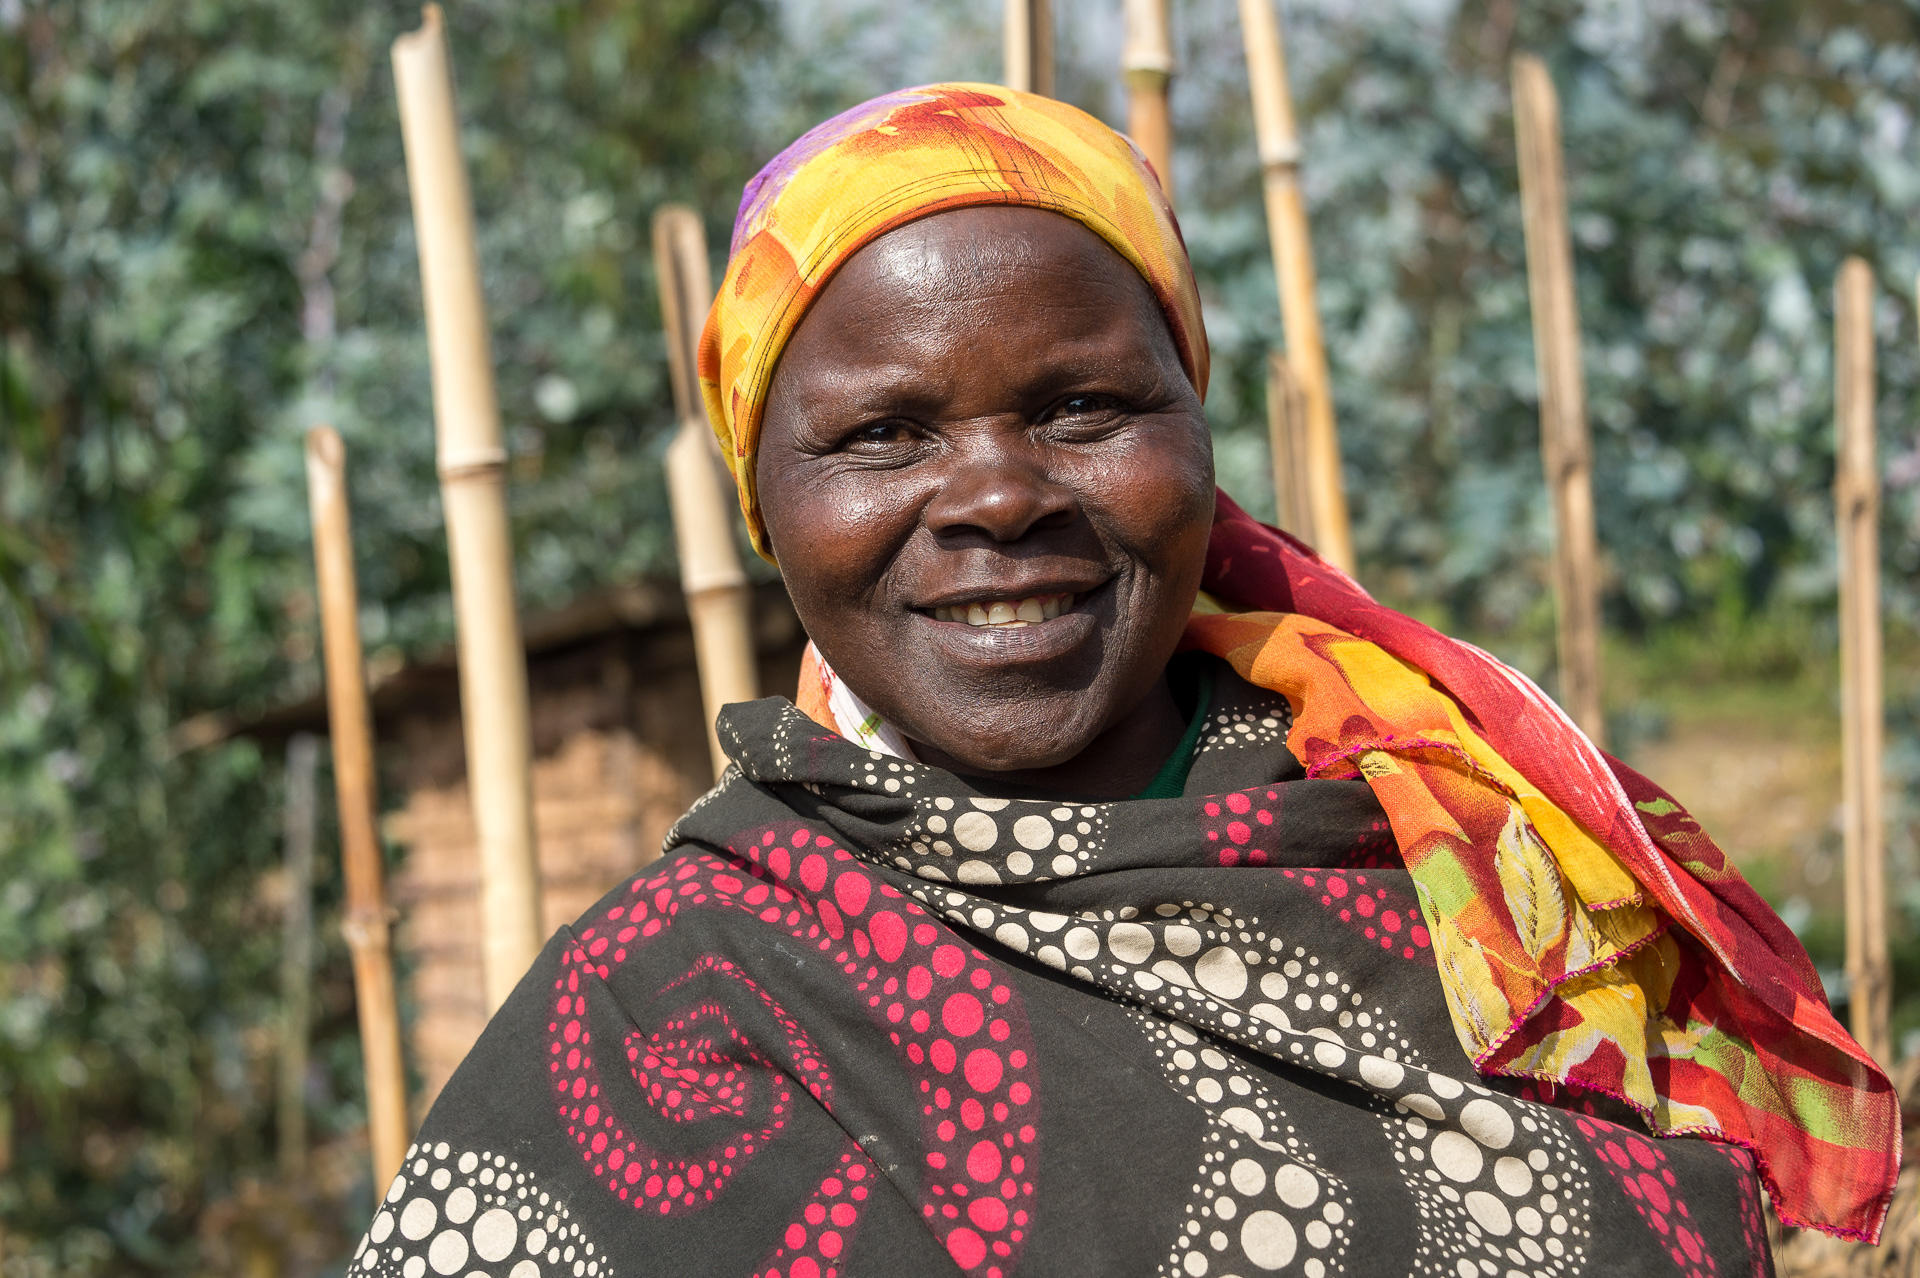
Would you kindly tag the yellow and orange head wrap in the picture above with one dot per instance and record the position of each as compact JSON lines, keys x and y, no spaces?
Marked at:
{"x":896,"y":159}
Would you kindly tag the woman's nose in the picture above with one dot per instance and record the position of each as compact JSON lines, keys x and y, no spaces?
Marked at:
{"x":1000,"y":488}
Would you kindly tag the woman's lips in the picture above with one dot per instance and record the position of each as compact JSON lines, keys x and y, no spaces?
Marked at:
{"x":1007,"y":612}
{"x":1003,"y":632}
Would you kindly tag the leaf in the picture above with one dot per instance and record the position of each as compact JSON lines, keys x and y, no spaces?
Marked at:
{"x":1481,"y":1008}
{"x":1580,"y":942}
{"x":1531,"y":882}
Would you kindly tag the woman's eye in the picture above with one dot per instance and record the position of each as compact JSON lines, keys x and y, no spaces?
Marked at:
{"x":880,"y":435}
{"x":1084,"y":406}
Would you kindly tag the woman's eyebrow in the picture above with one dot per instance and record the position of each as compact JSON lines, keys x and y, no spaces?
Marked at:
{"x":1133,"y":370}
{"x":863,"y":390}
{"x":913,"y":392}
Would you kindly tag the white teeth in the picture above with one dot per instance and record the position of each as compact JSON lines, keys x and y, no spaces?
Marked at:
{"x":1007,"y":612}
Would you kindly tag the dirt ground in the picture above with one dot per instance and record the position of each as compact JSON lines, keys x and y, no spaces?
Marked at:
{"x":1766,"y":787}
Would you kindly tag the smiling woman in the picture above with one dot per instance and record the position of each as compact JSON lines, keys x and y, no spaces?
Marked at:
{"x":1075,"y":920}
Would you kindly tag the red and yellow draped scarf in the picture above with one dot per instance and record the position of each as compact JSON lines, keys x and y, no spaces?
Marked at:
{"x":1587,"y":931}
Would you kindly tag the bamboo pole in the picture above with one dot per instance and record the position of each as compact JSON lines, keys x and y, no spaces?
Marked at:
{"x":472,"y":463}
{"x":1279,"y":143}
{"x":719,"y":600}
{"x":1028,"y":45}
{"x":350,"y":726}
{"x":1856,"y":491}
{"x":296,"y":956}
{"x":1287,"y":434}
{"x":1565,"y":445}
{"x":6,"y":1164}
{"x":1146,"y":63}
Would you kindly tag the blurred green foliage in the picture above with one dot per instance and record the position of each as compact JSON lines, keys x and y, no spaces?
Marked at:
{"x":205,"y":248}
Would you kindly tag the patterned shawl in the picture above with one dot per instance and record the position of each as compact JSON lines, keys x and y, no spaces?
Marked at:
{"x":864,"y":1019}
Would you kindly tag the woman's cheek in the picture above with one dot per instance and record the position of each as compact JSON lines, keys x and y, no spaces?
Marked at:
{"x":1160,"y":499}
{"x":847,"y":526}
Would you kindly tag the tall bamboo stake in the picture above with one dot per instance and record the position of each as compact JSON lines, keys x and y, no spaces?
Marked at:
{"x":1279,"y":144}
{"x":719,"y":601}
{"x":6,"y":1161}
{"x":472,"y":462}
{"x":1146,"y":63}
{"x":296,"y":956}
{"x":1292,"y":465}
{"x":1856,"y":492}
{"x":1565,"y":446}
{"x":350,"y":725}
{"x":1028,"y":44}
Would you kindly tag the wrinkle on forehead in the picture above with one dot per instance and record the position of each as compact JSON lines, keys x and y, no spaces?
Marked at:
{"x":913,"y":284}
{"x":952,"y":249}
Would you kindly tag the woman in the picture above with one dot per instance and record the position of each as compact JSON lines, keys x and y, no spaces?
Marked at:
{"x":1076,"y":921}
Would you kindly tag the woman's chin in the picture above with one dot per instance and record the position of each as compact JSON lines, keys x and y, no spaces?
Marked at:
{"x":1002,"y":750}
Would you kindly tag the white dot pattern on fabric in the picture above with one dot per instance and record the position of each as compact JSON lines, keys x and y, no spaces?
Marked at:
{"x":975,"y":831}
{"x":1448,"y":1136}
{"x":460,"y":1205}
{"x":1033,"y":832}
{"x":493,"y":1234}
{"x":1248,"y":1177}
{"x":448,"y":1251}
{"x":474,"y":1215}
{"x":1260,"y":1197}
{"x":1457,"y":1157}
{"x":1237,"y":729}
{"x":1017,"y":839}
{"x":1380,"y":1073}
{"x":1130,"y":942}
{"x":1268,"y":1240}
{"x":1472,"y":1196}
{"x":1487,"y":1123}
{"x":417,"y":1218}
{"x":1513,"y":1176}
{"x":1182,"y":940}
{"x":1296,"y":1186}
{"x":1221,"y":973}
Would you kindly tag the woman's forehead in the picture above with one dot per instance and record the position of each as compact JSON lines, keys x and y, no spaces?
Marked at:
{"x":1017,"y":266}
{"x":986,"y":239}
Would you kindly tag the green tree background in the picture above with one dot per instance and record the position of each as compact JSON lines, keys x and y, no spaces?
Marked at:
{"x":205,"y":247}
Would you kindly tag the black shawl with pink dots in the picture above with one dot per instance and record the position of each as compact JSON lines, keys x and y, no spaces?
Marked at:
{"x":862,"y":1019}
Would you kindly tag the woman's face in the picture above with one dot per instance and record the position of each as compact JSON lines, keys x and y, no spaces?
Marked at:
{"x":989,"y":486}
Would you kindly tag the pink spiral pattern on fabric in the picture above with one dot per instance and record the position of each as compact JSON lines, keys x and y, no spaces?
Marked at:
{"x":1639,"y":1168}
{"x":955,"y":1025}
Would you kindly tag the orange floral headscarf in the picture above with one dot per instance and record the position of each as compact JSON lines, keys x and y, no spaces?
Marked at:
{"x":891,"y":161}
